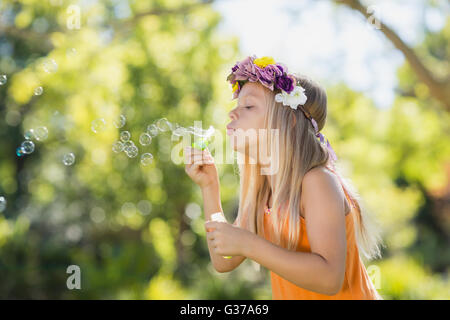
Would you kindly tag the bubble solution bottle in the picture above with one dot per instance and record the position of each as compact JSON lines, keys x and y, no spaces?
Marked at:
{"x":218,"y":216}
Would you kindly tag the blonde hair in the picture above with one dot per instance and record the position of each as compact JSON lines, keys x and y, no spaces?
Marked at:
{"x":299,"y":152}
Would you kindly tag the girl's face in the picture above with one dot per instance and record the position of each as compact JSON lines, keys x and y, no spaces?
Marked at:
{"x":247,"y":117}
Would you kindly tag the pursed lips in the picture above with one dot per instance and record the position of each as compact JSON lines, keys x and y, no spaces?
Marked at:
{"x":230,"y":130}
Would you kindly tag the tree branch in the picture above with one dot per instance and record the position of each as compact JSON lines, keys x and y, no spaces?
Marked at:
{"x":440,"y":90}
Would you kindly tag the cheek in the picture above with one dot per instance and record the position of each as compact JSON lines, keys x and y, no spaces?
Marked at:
{"x":253,"y":120}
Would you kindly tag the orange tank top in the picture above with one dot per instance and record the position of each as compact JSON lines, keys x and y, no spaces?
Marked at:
{"x":357,"y":283}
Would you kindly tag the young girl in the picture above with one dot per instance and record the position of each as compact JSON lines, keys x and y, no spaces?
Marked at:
{"x":301,"y":221}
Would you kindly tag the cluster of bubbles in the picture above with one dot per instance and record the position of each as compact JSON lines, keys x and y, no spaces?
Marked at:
{"x":27,"y":146}
{"x":128,"y":146}
{"x":125,"y":144}
{"x":49,"y":66}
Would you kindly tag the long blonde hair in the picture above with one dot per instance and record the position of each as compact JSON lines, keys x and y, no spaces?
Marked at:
{"x":299,"y":152}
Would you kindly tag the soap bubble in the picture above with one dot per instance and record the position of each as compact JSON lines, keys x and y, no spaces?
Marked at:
{"x":144,"y":206}
{"x":69,"y":159}
{"x":146,"y":159}
{"x":152,"y":130}
{"x":3,"y":79}
{"x":125,"y":136}
{"x":164,"y":125}
{"x":29,"y":134}
{"x":120,"y":121}
{"x":41,"y":133}
{"x":19,"y":152}
{"x":117,"y":147}
{"x":132,"y":151}
{"x":71,"y":52}
{"x":27,"y":146}
{"x":3,"y":203}
{"x":145,"y":139}
{"x":128,"y":144}
{"x":50,"y":66}
{"x":199,"y":132}
{"x":180,"y":131}
{"x":38,"y":91}
{"x":98,"y":125}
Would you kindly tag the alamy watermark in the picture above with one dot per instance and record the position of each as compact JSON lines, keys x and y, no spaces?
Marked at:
{"x":74,"y":280}
{"x":73,"y":17}
{"x":374,"y":17}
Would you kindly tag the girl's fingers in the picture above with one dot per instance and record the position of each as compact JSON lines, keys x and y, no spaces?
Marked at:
{"x":200,"y":162}
{"x":198,"y":158}
{"x":201,"y":157}
{"x":194,"y":166}
{"x":193,"y":151}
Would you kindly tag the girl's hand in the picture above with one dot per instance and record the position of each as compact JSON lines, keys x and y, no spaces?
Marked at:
{"x":227,"y":239}
{"x":200,"y":167}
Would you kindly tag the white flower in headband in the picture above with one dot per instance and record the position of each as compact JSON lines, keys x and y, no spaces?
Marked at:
{"x":293,"y":99}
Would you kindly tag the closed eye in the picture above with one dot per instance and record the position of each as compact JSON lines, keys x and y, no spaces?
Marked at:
{"x":248,"y":107}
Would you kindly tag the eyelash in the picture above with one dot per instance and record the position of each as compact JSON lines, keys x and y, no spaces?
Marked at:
{"x":248,"y":107}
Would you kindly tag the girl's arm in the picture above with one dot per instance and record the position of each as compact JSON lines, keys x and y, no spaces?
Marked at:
{"x":323,"y":269}
{"x":201,"y":169}
{"x":212,"y":204}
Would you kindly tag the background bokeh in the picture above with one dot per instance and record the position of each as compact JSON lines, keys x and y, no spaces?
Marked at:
{"x":136,"y":232}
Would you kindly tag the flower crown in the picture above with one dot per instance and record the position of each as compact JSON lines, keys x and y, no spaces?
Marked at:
{"x":271,"y":75}
{"x":274,"y":76}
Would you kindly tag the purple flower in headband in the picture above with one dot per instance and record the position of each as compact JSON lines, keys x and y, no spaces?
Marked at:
{"x":285,"y":83}
{"x":244,"y":70}
{"x":268,"y":75}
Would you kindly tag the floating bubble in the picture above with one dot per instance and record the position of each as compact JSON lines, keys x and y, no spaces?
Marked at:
{"x":145,"y":139}
{"x":146,"y":159}
{"x":117,"y":147}
{"x":125,"y":136}
{"x":3,"y":79}
{"x":128,"y":144}
{"x":199,"y":132}
{"x":144,"y":206}
{"x":50,"y":66}
{"x":163,"y":125}
{"x":38,"y":91}
{"x":27,"y":146}
{"x":71,"y":52}
{"x":180,"y":131}
{"x":69,"y":159}
{"x":41,"y":133}
{"x":98,"y":125}
{"x":3,"y":203}
{"x":29,"y":134}
{"x":19,"y":152}
{"x":153,"y":130}
{"x":120,"y":121}
{"x":132,"y":151}
{"x":128,"y":209}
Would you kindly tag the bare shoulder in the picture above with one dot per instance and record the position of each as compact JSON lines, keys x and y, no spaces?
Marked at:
{"x":320,"y":184}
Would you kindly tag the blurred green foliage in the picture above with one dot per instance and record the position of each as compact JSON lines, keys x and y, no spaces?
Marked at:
{"x":137,"y":232}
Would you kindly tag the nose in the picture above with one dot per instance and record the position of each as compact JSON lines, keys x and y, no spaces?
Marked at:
{"x":232,"y":114}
